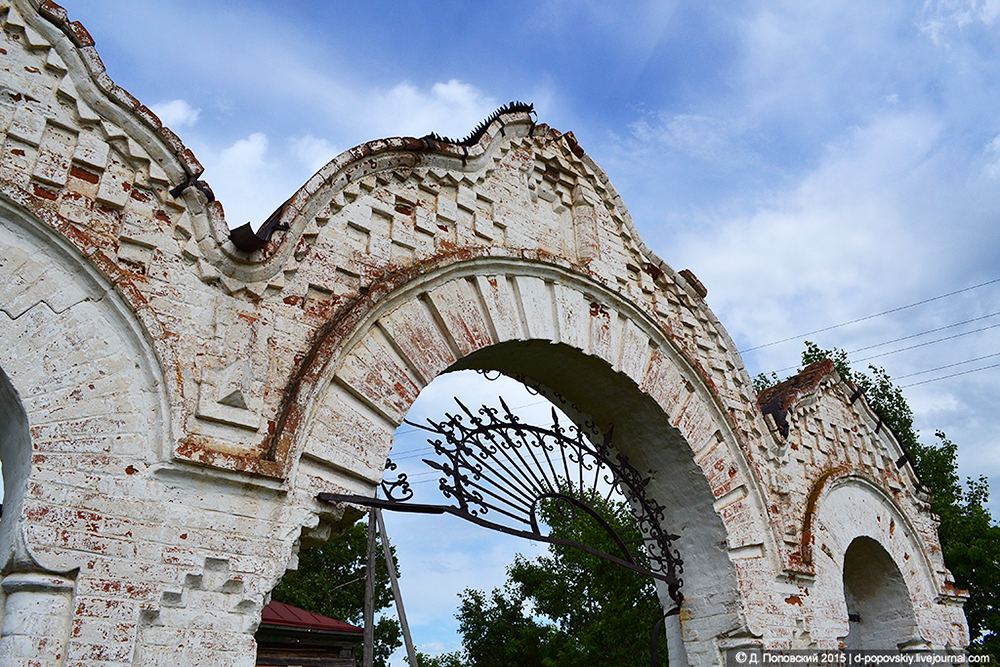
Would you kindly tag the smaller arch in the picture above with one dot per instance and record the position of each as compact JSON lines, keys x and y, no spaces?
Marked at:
{"x":15,"y":453}
{"x":839,"y":481}
{"x":853,"y":507}
{"x":879,"y":609}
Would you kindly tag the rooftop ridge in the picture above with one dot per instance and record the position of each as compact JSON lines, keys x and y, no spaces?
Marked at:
{"x":279,"y":613}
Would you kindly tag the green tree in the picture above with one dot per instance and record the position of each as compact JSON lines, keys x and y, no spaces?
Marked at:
{"x":970,"y":538}
{"x":453,"y":659}
{"x":566,"y":608}
{"x":330,"y":581}
{"x":497,"y":631}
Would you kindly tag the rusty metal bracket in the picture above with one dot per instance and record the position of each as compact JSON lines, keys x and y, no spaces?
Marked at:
{"x":244,"y":238}
{"x":193,"y":182}
{"x":779,"y":414}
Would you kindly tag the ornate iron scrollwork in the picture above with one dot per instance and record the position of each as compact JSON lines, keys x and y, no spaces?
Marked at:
{"x":499,"y":470}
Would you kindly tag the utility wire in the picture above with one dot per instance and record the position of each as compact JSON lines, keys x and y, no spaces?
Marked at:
{"x":869,"y":317}
{"x":941,"y":368}
{"x":945,"y":377}
{"x":930,"y":342}
{"x":924,"y":333}
{"x":910,"y":347}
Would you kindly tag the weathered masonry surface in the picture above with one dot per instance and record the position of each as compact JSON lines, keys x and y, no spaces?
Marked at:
{"x":172,"y":405}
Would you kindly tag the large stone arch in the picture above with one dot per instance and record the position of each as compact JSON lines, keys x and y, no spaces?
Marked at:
{"x":575,"y":337}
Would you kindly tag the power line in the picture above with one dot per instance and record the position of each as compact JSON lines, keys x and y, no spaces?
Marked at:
{"x":941,"y":368}
{"x":869,"y":317}
{"x":924,"y":333}
{"x":910,"y":347}
{"x":930,"y":342}
{"x":945,"y":377}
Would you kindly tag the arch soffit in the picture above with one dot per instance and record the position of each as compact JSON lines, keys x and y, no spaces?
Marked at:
{"x":432,"y":322}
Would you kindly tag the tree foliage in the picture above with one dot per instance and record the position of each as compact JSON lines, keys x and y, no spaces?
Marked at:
{"x":566,"y":608}
{"x":453,"y":659}
{"x":330,"y":581}
{"x":970,"y":538}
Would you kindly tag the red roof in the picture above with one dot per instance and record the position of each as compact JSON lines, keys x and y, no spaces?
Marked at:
{"x":279,"y":613}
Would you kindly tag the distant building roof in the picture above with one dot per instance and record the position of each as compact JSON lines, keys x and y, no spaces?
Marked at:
{"x":279,"y":613}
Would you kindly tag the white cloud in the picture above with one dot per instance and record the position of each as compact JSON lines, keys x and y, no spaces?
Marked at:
{"x":930,"y":403}
{"x":246,"y":155}
{"x":432,"y":648}
{"x":940,"y":17}
{"x":313,"y":152}
{"x":628,"y":31}
{"x":816,"y":251}
{"x":992,"y":152}
{"x":247,"y":179}
{"x":451,"y":109}
{"x":176,"y":113}
{"x":989,"y":12}
{"x":700,"y":136}
{"x":793,"y":52}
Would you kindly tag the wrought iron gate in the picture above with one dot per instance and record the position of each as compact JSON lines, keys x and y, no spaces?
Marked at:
{"x":499,"y":471}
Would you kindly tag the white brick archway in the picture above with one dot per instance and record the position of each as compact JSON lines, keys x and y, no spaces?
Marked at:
{"x":186,"y":401}
{"x":576,"y":338}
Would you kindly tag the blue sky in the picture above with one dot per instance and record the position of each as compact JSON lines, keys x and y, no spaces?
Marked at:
{"x":811,"y":162}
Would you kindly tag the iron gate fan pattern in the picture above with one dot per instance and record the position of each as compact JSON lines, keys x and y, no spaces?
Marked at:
{"x":493,"y":465}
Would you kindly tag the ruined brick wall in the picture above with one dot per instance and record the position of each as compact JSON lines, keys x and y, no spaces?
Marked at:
{"x":185,"y":401}
{"x":840,"y":474}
